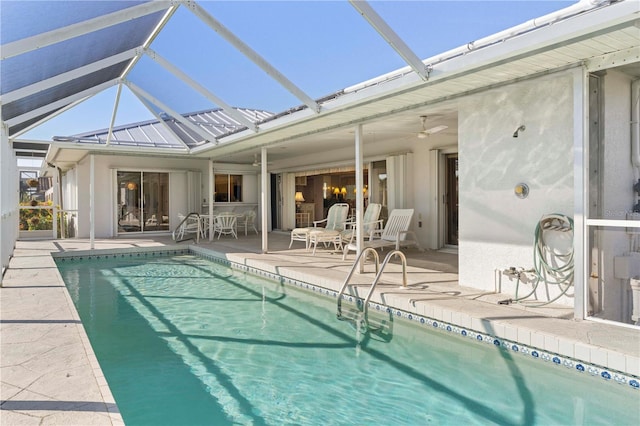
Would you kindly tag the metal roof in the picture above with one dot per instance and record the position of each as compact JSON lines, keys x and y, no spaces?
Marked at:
{"x":169,"y":132}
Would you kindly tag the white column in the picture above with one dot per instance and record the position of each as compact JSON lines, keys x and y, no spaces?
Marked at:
{"x":263,"y":198}
{"x":55,"y":211}
{"x":580,"y":188}
{"x":359,"y":193}
{"x":92,"y":202}
{"x":210,"y":198}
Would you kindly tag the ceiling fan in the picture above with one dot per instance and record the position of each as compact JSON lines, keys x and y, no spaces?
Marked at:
{"x":424,"y":133}
{"x":256,"y":161}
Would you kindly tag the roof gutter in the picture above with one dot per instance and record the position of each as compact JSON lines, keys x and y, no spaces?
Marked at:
{"x":551,"y":18}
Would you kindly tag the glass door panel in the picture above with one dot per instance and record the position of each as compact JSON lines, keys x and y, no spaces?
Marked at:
{"x":156,"y":201}
{"x":129,"y":206}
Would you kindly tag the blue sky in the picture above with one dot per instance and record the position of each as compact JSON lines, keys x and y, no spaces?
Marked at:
{"x":321,"y":46}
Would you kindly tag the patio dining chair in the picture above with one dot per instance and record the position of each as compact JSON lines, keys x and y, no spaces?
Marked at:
{"x":248,"y":220}
{"x":188,"y":225}
{"x":225,"y":224}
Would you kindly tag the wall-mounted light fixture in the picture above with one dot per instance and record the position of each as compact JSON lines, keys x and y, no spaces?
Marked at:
{"x":518,"y":130}
{"x":521,"y":190}
{"x":131,"y":186}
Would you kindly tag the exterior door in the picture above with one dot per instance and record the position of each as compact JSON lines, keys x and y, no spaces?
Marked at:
{"x":143,"y":201}
{"x":451,"y":199}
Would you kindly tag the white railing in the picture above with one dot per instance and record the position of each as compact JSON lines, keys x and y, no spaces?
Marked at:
{"x":54,"y":223}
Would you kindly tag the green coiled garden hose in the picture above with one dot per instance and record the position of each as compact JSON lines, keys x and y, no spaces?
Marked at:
{"x":551,"y":267}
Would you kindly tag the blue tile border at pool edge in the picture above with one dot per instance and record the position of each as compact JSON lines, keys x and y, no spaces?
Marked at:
{"x":538,"y":354}
{"x":575,"y":365}
{"x":122,"y":253}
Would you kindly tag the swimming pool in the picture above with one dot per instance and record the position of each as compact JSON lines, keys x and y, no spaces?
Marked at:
{"x":183,"y":340}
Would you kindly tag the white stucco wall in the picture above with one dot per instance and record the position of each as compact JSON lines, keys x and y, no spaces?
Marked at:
{"x":496,"y":228}
{"x":178,"y":187}
{"x":9,"y":198}
{"x":104,"y":207}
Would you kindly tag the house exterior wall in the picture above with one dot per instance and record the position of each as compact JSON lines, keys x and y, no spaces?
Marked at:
{"x":105,"y":194}
{"x":9,"y":201}
{"x":496,"y":228}
{"x":178,"y":187}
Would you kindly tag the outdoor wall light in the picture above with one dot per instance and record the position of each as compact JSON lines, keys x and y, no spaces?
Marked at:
{"x":518,"y":130}
{"x":521,"y":190}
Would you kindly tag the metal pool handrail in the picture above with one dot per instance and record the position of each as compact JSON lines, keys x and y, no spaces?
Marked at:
{"x":353,"y":268}
{"x":403,"y":259}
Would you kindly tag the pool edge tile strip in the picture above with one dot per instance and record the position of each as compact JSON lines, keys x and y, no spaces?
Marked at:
{"x":576,"y":365}
{"x":505,"y":344}
{"x":122,"y":253}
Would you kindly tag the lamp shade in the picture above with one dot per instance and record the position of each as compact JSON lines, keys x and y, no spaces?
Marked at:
{"x":299,"y":198}
{"x":344,"y":190}
{"x":336,"y":190}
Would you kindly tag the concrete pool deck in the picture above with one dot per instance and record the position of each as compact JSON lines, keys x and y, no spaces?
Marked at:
{"x":50,"y":375}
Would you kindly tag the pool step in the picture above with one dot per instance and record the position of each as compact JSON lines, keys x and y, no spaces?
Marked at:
{"x":377,"y":325}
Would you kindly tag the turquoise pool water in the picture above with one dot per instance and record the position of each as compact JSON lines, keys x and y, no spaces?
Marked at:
{"x":185,"y":341}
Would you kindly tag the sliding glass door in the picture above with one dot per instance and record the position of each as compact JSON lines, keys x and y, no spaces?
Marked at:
{"x":143,"y":201}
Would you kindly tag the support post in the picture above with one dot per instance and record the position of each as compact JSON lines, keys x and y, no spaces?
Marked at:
{"x":92,"y":202}
{"x":211,"y":199}
{"x":359,"y":193}
{"x":580,"y":185}
{"x":263,"y":198}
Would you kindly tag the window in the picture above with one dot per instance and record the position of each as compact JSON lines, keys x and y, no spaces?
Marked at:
{"x":228,"y":188}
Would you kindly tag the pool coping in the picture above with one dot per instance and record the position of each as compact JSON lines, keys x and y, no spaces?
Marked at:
{"x":455,"y":325}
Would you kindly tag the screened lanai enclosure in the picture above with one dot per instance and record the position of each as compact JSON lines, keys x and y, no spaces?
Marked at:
{"x":482,"y":139}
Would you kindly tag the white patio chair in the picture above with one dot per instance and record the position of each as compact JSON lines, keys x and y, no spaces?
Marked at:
{"x":394,"y":233}
{"x":336,"y":217}
{"x":225,"y":223}
{"x":191,"y":225}
{"x":371,"y":224}
{"x":331,"y":232}
{"x":248,"y":220}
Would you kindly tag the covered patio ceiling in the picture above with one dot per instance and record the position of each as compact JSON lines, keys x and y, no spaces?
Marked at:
{"x":83,"y":48}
